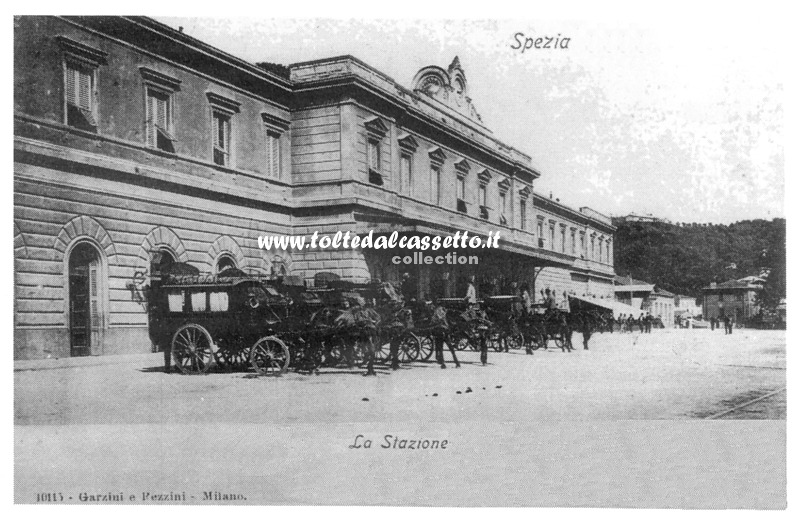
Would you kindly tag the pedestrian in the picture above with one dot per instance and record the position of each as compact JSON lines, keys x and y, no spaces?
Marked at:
{"x":440,"y":329}
{"x":550,"y":300}
{"x":712,"y":323}
{"x":640,"y":322}
{"x":648,"y":323}
{"x":526,"y":299}
{"x":471,"y":298}
{"x":727,"y":321}
{"x":407,"y":288}
{"x":731,"y":324}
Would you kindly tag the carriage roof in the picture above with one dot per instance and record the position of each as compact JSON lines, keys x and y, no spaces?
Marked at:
{"x":204,"y":282}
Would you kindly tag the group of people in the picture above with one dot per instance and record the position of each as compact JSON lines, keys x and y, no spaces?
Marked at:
{"x":524,"y":308}
{"x":644,"y":322}
{"x":727,"y":320}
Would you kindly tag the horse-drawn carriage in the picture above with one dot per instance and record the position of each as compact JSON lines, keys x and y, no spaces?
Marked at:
{"x":227,"y":320}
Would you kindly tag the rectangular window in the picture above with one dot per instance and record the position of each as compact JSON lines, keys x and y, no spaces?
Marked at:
{"x":219,"y":301}
{"x":273,"y":154}
{"x":483,"y":201}
{"x":199,"y":302}
{"x":583,"y":243}
{"x":374,"y":154}
{"x":78,"y":93}
{"x":222,"y":138}
{"x":436,"y":183}
{"x":405,"y":173}
{"x":563,"y":240}
{"x":523,"y":214}
{"x":461,"y":203}
{"x":573,"y":243}
{"x":552,"y":237}
{"x":159,"y":120}
{"x":374,"y":161}
{"x":608,"y":252}
{"x":503,"y":209}
{"x":175,"y":302}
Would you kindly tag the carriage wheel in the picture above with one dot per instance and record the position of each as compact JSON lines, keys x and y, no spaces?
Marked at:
{"x":269,"y":356}
{"x":192,"y":349}
{"x":333,"y":351}
{"x":515,"y":341}
{"x":496,"y":342}
{"x":538,"y":340}
{"x":425,"y":348}
{"x":461,"y":342}
{"x":561,"y":340}
{"x":409,"y":348}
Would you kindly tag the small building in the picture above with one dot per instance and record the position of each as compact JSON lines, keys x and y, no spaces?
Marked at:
{"x":736,"y":298}
{"x":661,"y":304}
{"x":632,"y":292}
{"x":688,"y":305}
{"x":645,"y":297}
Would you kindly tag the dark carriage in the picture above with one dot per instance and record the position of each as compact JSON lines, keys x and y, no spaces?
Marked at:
{"x":505,"y":312}
{"x":544,"y":325}
{"x":389,"y":321}
{"x":229,"y":320}
{"x":469,"y":324}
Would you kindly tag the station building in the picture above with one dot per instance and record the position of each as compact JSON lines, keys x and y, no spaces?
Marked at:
{"x":136,"y":145}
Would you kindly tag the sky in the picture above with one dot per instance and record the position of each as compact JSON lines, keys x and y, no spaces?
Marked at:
{"x":679,"y":117}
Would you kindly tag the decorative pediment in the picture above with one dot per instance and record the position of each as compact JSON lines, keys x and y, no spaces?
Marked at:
{"x":525,"y":192}
{"x":82,"y":52}
{"x":437,"y":155}
{"x":223,"y":103}
{"x":407,"y":142}
{"x":449,"y":87}
{"x":159,"y":79}
{"x":504,"y":185}
{"x":275,"y":123}
{"x":462,"y":166}
{"x":376,"y":126}
{"x":484,"y":176}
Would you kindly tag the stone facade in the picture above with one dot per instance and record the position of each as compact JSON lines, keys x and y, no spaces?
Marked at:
{"x":135,"y":144}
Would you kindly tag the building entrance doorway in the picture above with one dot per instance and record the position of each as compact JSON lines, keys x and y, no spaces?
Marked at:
{"x":84,"y":313}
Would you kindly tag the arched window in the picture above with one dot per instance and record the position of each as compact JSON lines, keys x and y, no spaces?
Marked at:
{"x":87,"y":296}
{"x":161,"y":259}
{"x":225,"y":261}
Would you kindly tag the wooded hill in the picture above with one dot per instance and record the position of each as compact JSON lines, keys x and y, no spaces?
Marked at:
{"x":683,"y":258}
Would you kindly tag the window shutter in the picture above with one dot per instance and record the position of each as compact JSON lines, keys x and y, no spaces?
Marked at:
{"x":216,"y":130}
{"x":151,"y":133}
{"x":273,"y":155}
{"x":70,"y":89}
{"x":84,"y":90}
{"x":161,"y":112}
{"x":94,"y":313}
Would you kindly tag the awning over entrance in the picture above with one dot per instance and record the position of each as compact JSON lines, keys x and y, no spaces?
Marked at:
{"x":583,"y":300}
{"x":616,"y":307}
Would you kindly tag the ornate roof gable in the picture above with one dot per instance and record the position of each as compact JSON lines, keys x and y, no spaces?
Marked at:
{"x":447,"y":86}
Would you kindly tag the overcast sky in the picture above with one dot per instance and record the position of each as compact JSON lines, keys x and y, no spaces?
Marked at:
{"x":683,"y":120}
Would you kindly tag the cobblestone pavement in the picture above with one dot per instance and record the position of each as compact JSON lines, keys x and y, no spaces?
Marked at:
{"x":669,"y":374}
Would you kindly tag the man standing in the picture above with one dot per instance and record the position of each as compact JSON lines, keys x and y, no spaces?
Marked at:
{"x":471,"y":298}
{"x":408,"y":288}
{"x":526,"y":299}
{"x":727,"y":322}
